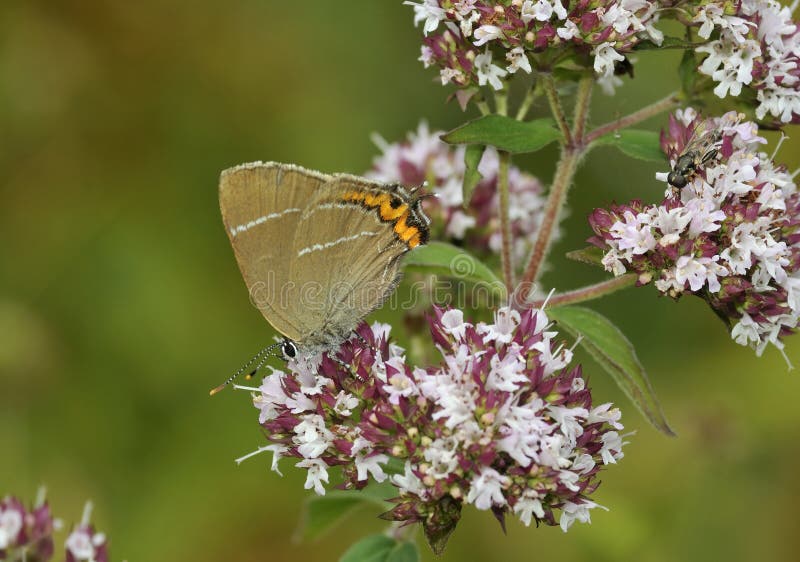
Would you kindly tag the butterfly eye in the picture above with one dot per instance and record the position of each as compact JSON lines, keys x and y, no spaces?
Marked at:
{"x":288,"y":349}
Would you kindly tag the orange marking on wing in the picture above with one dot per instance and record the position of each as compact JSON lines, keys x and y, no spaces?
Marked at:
{"x":354,"y":196}
{"x":415,"y":241}
{"x":388,"y":213}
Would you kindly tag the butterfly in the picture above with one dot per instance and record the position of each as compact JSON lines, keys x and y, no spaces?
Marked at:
{"x":318,"y":252}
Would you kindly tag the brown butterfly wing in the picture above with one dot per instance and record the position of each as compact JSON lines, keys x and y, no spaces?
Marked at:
{"x":262,"y":204}
{"x":347,"y":253}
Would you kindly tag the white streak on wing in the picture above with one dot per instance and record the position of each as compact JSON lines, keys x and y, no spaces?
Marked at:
{"x":260,"y":220}
{"x":327,"y":245}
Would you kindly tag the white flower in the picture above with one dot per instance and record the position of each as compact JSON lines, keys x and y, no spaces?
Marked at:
{"x":311,"y":436}
{"x":634,"y":234}
{"x":486,"y":33}
{"x":442,"y":454}
{"x":345,"y":402}
{"x":605,"y":413}
{"x":568,"y":420}
{"x":370,"y":465}
{"x":449,"y":74}
{"x":699,"y":271}
{"x":486,"y":489}
{"x":506,"y":321}
{"x":488,"y":72}
{"x":399,"y":385}
{"x":604,"y":58}
{"x":508,"y":373}
{"x":518,"y":59}
{"x":408,"y":482}
{"x":10,"y":526}
{"x":316,"y":475}
{"x":572,"y":512}
{"x":83,"y":545}
{"x":527,"y":507}
{"x":612,"y":447}
{"x":429,"y":12}
{"x":453,"y":323}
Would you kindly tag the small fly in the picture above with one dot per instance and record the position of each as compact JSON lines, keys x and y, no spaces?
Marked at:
{"x":701,"y":149}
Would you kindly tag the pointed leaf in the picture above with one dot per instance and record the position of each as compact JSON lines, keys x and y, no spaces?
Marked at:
{"x":688,"y":73}
{"x":505,"y":133}
{"x":612,"y":351}
{"x":322,"y":513}
{"x":472,"y":177}
{"x":590,"y":254}
{"x":404,"y":552}
{"x":642,"y":145}
{"x":448,"y":260}
{"x":374,"y":548}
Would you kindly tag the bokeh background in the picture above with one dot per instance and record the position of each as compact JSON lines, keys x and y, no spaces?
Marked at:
{"x":121,"y":304}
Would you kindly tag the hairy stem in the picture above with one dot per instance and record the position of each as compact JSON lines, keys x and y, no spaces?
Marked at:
{"x":505,"y":221}
{"x":571,"y":154}
{"x":590,"y":292}
{"x":483,"y":107}
{"x":582,"y":101}
{"x":555,"y":106}
{"x":565,"y":170}
{"x":636,"y":117}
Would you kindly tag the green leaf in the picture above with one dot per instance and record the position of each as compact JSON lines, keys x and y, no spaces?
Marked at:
{"x":472,"y":177}
{"x":688,"y":73}
{"x":322,"y":513}
{"x":448,"y":260}
{"x":374,"y":548}
{"x":404,"y":552}
{"x":642,"y":145}
{"x":614,"y":353}
{"x":590,"y":254}
{"x":505,"y":133}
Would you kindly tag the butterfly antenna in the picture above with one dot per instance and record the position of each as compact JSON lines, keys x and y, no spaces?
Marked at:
{"x":259,"y":357}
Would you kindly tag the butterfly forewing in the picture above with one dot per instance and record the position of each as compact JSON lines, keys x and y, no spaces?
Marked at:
{"x":262,"y":204}
{"x":345,"y":257}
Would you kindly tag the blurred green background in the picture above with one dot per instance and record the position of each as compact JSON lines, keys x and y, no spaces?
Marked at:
{"x":121,"y":304}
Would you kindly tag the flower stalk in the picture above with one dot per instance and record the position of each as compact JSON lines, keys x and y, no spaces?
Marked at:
{"x":590,"y":292}
{"x":582,"y":102}
{"x":549,"y":86}
{"x":505,"y":221}
{"x":662,"y":105}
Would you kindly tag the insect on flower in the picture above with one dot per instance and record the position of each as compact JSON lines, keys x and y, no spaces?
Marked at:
{"x":700,"y":150}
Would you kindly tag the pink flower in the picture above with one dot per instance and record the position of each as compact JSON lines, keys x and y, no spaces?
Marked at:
{"x":501,"y":422}
{"x":730,"y":236}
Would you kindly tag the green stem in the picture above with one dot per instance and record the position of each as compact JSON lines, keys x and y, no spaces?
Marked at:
{"x":636,"y":117}
{"x":483,"y":107}
{"x":501,"y":102}
{"x":590,"y":292}
{"x":582,"y":102}
{"x":555,"y":106}
{"x":505,"y":221}
{"x":527,"y":102}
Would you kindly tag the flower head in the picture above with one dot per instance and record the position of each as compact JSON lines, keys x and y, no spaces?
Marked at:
{"x":84,"y":544}
{"x":731,"y":236}
{"x":469,"y":40}
{"x":501,"y":422}
{"x":753,"y":44}
{"x":26,"y":530}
